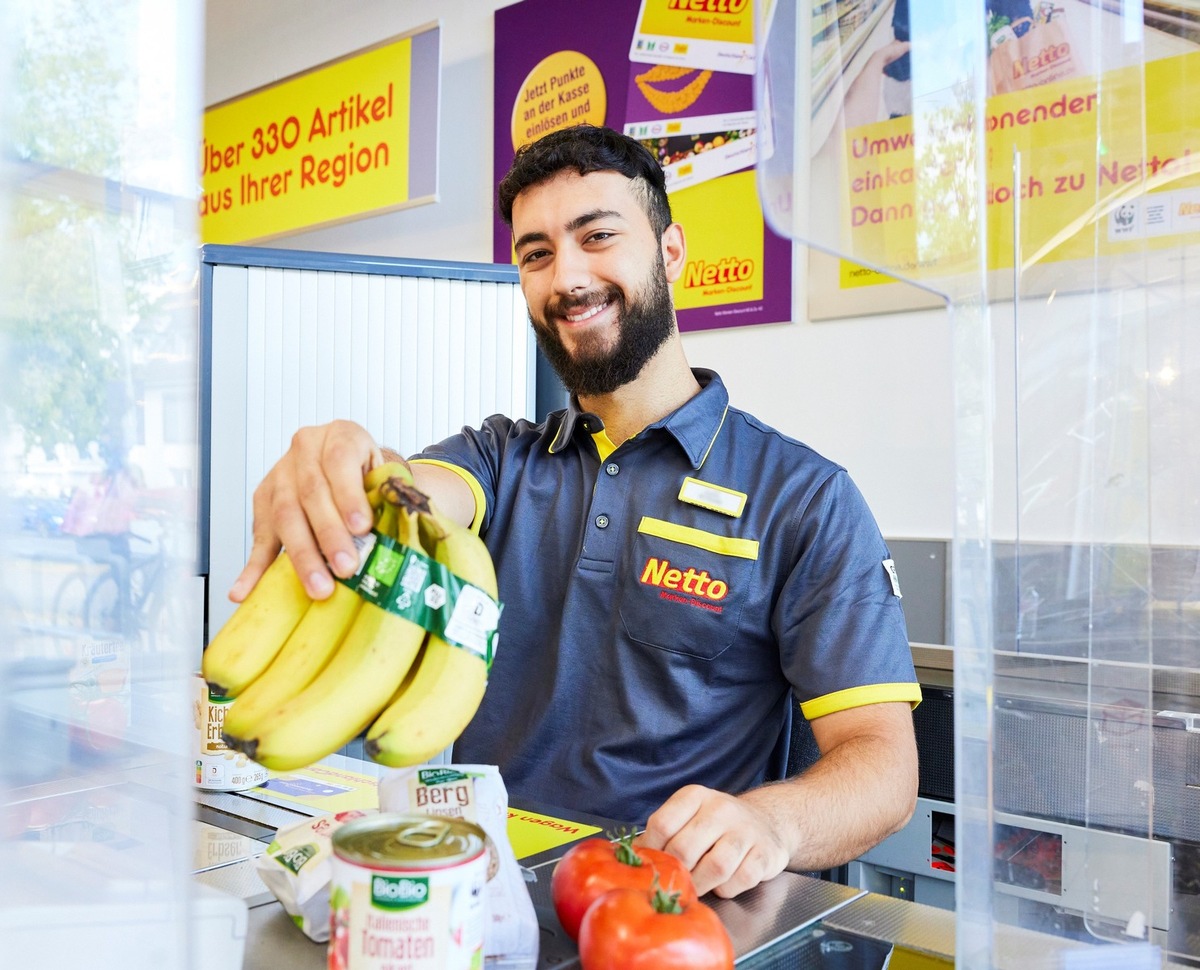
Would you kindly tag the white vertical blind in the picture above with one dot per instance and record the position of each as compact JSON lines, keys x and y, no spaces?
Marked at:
{"x":411,"y":358}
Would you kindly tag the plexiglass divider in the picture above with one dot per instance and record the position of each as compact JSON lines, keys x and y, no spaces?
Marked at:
{"x":1032,"y":168}
{"x":101,"y":603}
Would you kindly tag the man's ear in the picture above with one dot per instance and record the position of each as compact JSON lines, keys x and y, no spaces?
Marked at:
{"x":674,"y":251}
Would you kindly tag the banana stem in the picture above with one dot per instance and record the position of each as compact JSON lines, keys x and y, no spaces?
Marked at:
{"x":406,"y":496}
{"x":412,"y":501}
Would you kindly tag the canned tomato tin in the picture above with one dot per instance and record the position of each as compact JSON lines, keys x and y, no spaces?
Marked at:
{"x":407,"y":891}
{"x":218,"y":766}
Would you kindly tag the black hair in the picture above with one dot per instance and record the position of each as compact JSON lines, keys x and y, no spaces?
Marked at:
{"x":586,"y":149}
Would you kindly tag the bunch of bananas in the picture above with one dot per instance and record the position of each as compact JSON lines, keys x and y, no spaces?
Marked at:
{"x":311,"y":675}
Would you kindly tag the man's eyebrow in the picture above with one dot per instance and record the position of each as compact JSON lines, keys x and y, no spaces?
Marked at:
{"x":530,"y":237}
{"x":573,"y":226}
{"x":580,"y":221}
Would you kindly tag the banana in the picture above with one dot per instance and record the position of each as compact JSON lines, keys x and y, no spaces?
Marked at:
{"x":304,"y":655}
{"x":438,"y":703}
{"x":261,"y":625}
{"x":377,"y":476}
{"x":250,"y":639}
{"x":312,"y":643}
{"x":362,"y":676}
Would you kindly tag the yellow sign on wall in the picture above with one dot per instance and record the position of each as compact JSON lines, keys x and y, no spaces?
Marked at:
{"x":713,"y":35}
{"x":1102,"y":176}
{"x":723,"y":20}
{"x":352,"y":137}
{"x":725,"y":259}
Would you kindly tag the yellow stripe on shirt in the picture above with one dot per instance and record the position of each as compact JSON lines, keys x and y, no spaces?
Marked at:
{"x":844,"y":700}
{"x":722,"y":545}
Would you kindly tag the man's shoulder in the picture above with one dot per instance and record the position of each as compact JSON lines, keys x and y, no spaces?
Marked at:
{"x":776,"y":444}
{"x":504,"y":433}
{"x":745,"y":428}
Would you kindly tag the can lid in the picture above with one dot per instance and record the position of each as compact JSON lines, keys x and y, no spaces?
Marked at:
{"x":408,"y":841}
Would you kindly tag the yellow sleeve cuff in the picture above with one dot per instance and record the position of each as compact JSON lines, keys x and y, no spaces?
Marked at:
{"x":843,"y":700}
{"x":472,"y":484}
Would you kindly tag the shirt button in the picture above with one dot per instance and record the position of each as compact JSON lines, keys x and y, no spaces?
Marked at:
{"x":601,"y":521}
{"x":612,"y":468}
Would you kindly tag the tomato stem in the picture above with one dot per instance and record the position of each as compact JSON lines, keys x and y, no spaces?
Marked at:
{"x":666,"y":903}
{"x":626,"y":853}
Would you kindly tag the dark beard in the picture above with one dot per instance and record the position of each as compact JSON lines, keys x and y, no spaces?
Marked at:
{"x":644,"y":324}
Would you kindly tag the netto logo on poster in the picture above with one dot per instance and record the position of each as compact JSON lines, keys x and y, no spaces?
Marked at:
{"x":708,"y":6}
{"x":728,"y":270}
{"x":1044,"y":58}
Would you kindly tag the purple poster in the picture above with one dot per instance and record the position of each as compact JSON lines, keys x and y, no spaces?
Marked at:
{"x":560,"y":63}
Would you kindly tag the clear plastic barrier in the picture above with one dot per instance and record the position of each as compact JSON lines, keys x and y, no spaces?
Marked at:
{"x":99,"y":599}
{"x":871,"y":153}
{"x":1036,"y":165}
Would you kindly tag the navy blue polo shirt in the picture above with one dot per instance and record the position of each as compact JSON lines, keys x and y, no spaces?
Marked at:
{"x":664,"y":599}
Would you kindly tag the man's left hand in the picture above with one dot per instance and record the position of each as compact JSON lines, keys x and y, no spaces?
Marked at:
{"x":728,"y":843}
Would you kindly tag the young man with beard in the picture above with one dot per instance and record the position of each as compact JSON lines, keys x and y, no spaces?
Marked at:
{"x":673,"y":571}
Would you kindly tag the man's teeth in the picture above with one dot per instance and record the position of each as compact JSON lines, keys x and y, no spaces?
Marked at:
{"x":586,"y":314}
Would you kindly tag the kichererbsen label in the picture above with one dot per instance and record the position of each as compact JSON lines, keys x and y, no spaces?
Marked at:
{"x":217,"y":766}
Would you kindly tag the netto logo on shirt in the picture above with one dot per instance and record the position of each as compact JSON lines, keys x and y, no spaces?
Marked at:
{"x":660,"y":573}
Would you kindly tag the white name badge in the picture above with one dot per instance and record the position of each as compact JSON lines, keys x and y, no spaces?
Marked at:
{"x":714,"y":497}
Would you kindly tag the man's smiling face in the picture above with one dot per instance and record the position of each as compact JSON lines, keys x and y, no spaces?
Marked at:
{"x":594,"y":278}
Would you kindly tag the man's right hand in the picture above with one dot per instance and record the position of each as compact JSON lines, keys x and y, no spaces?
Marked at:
{"x":312,"y":503}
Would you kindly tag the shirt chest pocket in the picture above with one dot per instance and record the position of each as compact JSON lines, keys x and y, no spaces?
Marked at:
{"x":686,"y":588}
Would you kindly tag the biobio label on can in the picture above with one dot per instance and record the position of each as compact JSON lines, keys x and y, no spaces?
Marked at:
{"x":407,"y":891}
{"x":218,"y":766}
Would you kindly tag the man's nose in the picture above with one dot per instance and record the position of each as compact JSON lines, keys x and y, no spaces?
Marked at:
{"x":571,"y":272}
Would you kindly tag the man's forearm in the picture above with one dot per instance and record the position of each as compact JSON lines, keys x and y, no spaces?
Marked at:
{"x":857,"y":794}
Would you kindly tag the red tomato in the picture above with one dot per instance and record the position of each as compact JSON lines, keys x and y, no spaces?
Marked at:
{"x":627,"y":929}
{"x":594,"y":866}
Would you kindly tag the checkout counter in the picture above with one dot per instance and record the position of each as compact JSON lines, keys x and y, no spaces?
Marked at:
{"x":792,"y":921}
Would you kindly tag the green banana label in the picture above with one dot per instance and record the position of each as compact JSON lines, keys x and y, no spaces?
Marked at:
{"x":406,"y":582}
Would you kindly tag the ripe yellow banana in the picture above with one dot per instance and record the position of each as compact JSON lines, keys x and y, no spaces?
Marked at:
{"x":375,"y":478}
{"x":438,"y":703}
{"x":258,"y":629}
{"x":362,"y":676}
{"x":304,"y":655}
{"x":311,"y":645}
{"x":251,"y":637}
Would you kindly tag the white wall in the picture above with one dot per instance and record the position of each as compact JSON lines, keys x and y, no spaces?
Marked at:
{"x":872,"y":393}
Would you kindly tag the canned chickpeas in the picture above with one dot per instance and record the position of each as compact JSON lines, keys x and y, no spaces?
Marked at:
{"x":218,"y":766}
{"x":407,"y":890}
